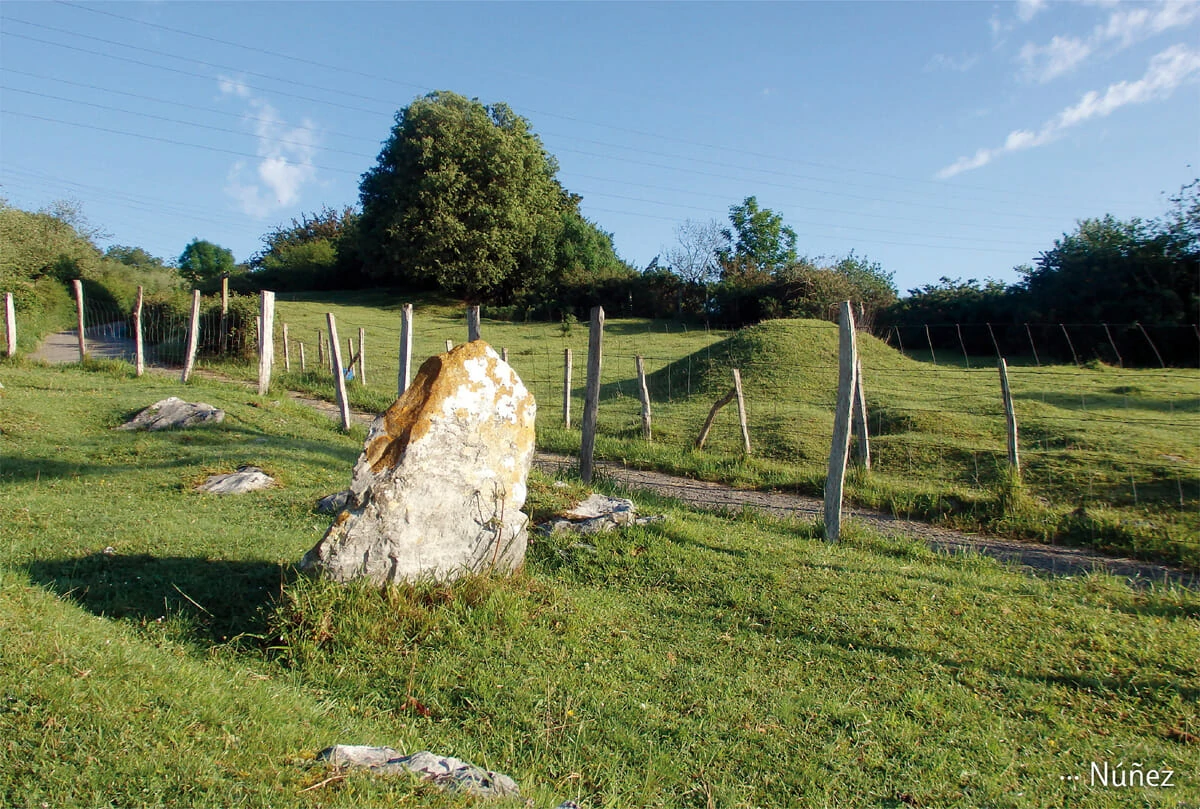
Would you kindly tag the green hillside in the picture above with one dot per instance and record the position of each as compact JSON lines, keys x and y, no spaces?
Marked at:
{"x":1109,"y":455}
{"x":160,"y":650}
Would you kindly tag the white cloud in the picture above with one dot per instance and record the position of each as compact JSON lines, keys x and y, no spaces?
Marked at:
{"x":286,"y":157}
{"x":1124,"y":27}
{"x":957,"y":64}
{"x":1166,"y":72}
{"x":1046,"y":62}
{"x":1028,"y":9}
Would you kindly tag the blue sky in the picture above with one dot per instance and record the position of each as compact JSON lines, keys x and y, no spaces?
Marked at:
{"x":940,"y":139}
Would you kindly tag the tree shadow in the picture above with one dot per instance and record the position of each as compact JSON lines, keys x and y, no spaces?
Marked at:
{"x":218,"y":599}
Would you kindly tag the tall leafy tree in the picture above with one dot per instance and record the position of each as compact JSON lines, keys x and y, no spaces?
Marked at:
{"x":202,"y":261}
{"x":464,"y":197}
{"x":757,"y":236}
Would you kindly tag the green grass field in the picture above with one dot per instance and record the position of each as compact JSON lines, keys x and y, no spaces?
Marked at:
{"x":705,"y":661}
{"x":1111,"y":457}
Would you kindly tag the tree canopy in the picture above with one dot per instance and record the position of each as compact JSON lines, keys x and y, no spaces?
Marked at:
{"x":759,"y":237}
{"x":463,"y":197}
{"x":202,"y":261}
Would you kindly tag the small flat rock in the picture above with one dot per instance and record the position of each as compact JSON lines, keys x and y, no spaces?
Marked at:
{"x":599,"y":505}
{"x":598,"y":514}
{"x":333,"y":503}
{"x":174,"y":412}
{"x":450,"y":773}
{"x":245,"y":479}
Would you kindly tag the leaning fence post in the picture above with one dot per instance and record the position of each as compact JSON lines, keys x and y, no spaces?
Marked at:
{"x":472,"y":323}
{"x":339,"y":377}
{"x":266,"y":341}
{"x":591,"y":404}
{"x":929,"y":339}
{"x":287,"y":350}
{"x":567,"y":371}
{"x":193,"y":343}
{"x":1152,"y":346}
{"x":406,"y":325}
{"x":303,"y":364}
{"x":839,"y":450}
{"x":862,"y":452}
{"x":10,"y":323}
{"x":741,"y":404}
{"x":1010,"y":419}
{"x":644,"y":395}
{"x":77,"y":285}
{"x":139,"y":346}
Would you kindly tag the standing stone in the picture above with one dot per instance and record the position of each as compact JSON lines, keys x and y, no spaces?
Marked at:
{"x":438,"y":489}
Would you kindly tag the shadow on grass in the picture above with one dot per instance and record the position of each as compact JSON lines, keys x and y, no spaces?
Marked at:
{"x":218,"y":599}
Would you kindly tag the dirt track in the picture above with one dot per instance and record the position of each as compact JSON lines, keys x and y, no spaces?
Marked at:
{"x":1052,"y":559}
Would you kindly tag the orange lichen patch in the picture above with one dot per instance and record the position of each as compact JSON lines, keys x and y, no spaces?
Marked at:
{"x":409,"y":416}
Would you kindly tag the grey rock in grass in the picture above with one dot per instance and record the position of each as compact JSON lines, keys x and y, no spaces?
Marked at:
{"x":245,"y":479}
{"x":174,"y":412}
{"x":438,"y":489}
{"x":450,"y":773}
{"x":333,"y":503}
{"x":597,"y":514}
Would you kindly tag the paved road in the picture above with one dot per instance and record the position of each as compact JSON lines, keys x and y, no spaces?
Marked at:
{"x":103,"y":342}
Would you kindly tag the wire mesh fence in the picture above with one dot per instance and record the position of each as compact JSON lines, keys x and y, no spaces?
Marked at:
{"x":1101,"y":436}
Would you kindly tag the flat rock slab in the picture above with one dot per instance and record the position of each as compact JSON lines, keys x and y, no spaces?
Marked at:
{"x":245,"y":479}
{"x":450,"y":773}
{"x":174,"y":413}
{"x":598,"y":514}
{"x":333,"y":503}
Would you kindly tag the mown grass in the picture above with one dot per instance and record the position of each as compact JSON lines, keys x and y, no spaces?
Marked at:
{"x":702,"y":661}
{"x":1110,"y":456}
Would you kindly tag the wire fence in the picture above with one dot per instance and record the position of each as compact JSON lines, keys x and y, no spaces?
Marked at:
{"x":1100,"y":437}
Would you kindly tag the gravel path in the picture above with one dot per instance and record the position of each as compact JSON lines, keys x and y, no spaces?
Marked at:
{"x":1052,"y":559}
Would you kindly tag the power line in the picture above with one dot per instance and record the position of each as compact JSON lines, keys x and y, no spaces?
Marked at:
{"x":775,"y":158}
{"x":385,"y":101}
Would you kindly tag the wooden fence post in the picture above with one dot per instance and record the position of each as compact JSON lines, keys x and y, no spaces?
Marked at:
{"x":712,"y":415}
{"x":472,"y":323}
{"x":1070,"y":345}
{"x":567,"y":372}
{"x":1010,"y":418}
{"x":266,"y":341}
{"x":929,"y":339}
{"x":224,"y":314}
{"x":862,"y":448}
{"x":995,"y":344}
{"x":449,"y":344}
{"x":591,"y":404}
{"x":644,"y":395}
{"x":193,"y":342}
{"x":504,"y":354}
{"x":320,"y":349}
{"x":406,"y":325}
{"x":10,"y":323}
{"x":1111,"y":342}
{"x":962,"y":344}
{"x":77,"y":285}
{"x":139,"y":345}
{"x":1029,"y":333}
{"x":353,"y":358}
{"x":303,"y":364}
{"x":839,"y":450}
{"x":287,"y":350}
{"x":1152,"y":345}
{"x":339,"y":377}
{"x":741,"y":403}
{"x":362,"y":356}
